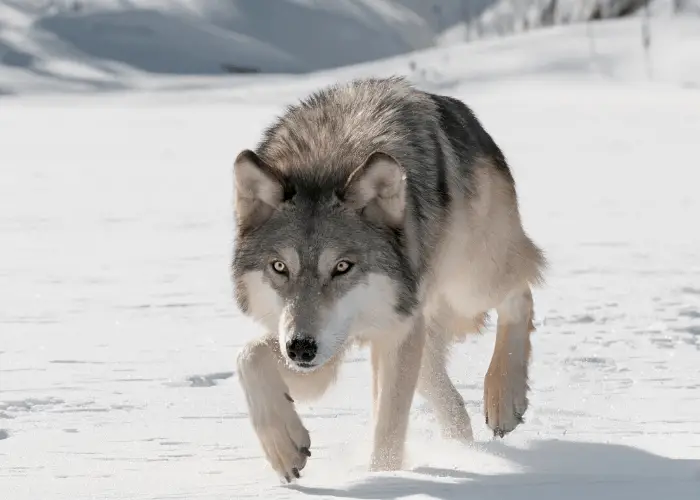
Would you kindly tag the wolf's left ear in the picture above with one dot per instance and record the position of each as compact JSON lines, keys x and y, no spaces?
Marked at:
{"x":378,"y":189}
{"x":259,"y":189}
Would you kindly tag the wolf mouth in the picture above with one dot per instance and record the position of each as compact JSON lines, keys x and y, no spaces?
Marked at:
{"x":303,"y":367}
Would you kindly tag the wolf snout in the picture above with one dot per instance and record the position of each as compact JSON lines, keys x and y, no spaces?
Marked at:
{"x":302,"y":349}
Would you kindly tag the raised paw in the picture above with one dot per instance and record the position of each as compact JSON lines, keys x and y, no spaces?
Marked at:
{"x":505,"y":397}
{"x":283,"y":437}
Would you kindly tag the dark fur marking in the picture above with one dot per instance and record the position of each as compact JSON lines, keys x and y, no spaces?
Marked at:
{"x":441,"y":181}
{"x":407,"y":299}
{"x":467,"y":134}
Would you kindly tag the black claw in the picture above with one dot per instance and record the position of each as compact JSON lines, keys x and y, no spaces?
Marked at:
{"x":286,"y":478}
{"x":295,"y":471}
{"x":498,"y":432}
{"x":519,"y":418}
{"x":305,"y":451}
{"x":289,"y":398}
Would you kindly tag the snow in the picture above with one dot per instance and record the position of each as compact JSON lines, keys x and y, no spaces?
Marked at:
{"x":112,"y":41}
{"x":118,"y":332}
{"x":495,"y":18}
{"x":107,"y":45}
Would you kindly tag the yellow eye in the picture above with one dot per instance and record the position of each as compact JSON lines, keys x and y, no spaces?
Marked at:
{"x":342,"y":267}
{"x":279,"y":267}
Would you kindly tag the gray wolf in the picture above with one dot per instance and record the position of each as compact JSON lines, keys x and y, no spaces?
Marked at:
{"x":376,"y":213}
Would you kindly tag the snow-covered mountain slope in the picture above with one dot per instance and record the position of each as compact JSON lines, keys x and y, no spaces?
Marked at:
{"x":118,"y":332}
{"x":607,"y":50}
{"x":506,"y":17}
{"x":105,"y":44}
{"x":96,"y":44}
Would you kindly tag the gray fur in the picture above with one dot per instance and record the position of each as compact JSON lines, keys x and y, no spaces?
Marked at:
{"x":407,"y":193}
{"x":316,"y":145}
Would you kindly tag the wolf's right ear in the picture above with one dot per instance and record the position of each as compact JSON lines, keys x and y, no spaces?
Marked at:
{"x":259,"y":189}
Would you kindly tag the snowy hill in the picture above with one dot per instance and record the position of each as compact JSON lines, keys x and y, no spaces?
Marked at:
{"x":92,"y":45}
{"x":100,"y":43}
{"x":506,"y":17}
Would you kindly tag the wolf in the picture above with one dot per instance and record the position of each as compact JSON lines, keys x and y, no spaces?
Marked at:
{"x":374,"y":213}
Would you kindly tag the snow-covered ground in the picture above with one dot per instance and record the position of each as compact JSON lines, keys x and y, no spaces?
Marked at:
{"x":118,"y":332}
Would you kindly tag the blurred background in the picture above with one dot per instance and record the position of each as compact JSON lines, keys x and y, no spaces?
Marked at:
{"x":112,"y":44}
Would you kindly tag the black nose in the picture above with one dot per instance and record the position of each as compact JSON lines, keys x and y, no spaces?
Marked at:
{"x":302,"y":349}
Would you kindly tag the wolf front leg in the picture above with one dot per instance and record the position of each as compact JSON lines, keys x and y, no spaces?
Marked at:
{"x":396,"y":371}
{"x":506,"y":384}
{"x":284,"y":439}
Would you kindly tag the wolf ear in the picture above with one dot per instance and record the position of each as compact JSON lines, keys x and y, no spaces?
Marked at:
{"x":378,"y":189}
{"x":259,"y":189}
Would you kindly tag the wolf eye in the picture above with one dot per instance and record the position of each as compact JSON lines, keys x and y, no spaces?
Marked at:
{"x":279,"y":267}
{"x":342,"y":267}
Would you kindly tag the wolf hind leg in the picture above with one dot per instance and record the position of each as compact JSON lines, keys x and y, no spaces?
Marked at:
{"x":397,"y":371}
{"x":506,"y":381}
{"x":435,"y":386}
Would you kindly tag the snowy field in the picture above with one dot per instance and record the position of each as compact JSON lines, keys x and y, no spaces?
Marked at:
{"x":118,"y":332}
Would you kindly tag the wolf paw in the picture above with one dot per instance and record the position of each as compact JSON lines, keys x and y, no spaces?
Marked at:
{"x":505,"y":399}
{"x":283,"y":437}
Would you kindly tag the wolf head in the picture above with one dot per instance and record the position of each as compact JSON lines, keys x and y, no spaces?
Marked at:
{"x":318,"y":257}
